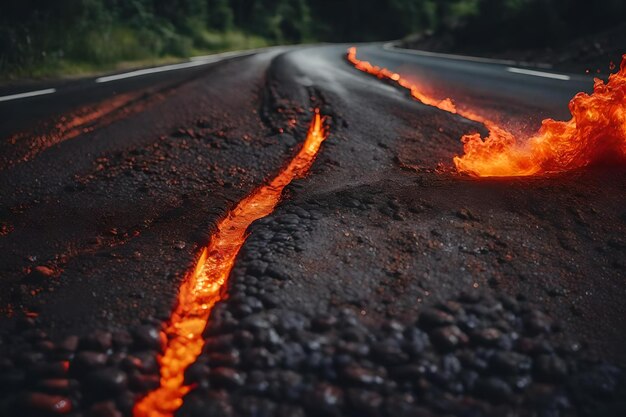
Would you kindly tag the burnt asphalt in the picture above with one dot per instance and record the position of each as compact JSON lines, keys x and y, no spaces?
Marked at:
{"x":385,"y":284}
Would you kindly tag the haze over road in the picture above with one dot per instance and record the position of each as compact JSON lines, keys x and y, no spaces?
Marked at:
{"x":383,"y":284}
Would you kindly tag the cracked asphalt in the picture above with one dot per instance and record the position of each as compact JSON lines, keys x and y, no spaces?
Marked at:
{"x":384,"y":284}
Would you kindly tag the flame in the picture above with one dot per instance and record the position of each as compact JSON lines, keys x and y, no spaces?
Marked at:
{"x":204,"y":286}
{"x":597,"y":131}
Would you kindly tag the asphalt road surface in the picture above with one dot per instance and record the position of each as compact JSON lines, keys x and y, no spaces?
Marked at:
{"x":384,"y":284}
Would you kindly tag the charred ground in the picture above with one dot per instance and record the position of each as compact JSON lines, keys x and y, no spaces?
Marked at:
{"x":384,"y":284}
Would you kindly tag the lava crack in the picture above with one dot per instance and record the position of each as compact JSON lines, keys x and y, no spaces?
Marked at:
{"x":204,"y":286}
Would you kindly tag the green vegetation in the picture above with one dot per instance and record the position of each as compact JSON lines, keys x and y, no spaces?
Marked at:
{"x":44,"y":37}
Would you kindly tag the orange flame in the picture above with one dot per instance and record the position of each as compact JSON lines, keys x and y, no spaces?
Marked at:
{"x":203,"y":287}
{"x":596,"y":131}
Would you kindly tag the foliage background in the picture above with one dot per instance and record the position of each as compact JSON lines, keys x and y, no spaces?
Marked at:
{"x":43,"y":37}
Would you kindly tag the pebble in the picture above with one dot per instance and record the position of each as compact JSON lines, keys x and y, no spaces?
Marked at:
{"x":431,"y":318}
{"x":389,"y":352}
{"x":359,"y":375}
{"x":106,"y":383}
{"x":448,"y":338}
{"x":325,"y":400}
{"x":510,"y":363}
{"x":226,"y":378}
{"x":147,"y":337}
{"x":86,"y":361}
{"x":550,"y":368}
{"x":52,"y":404}
{"x":367,"y":403}
{"x":104,"y":409}
{"x":98,"y":340}
{"x":493,"y":389}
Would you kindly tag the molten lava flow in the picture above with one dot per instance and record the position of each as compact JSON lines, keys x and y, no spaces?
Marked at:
{"x":596,"y":131}
{"x":203,"y":287}
{"x":25,"y":146}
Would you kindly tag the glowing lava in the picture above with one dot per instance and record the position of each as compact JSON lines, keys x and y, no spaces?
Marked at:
{"x":596,"y":132}
{"x":204,"y":287}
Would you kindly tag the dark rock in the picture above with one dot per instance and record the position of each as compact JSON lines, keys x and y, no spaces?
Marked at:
{"x":69,"y":344}
{"x":141,"y":383}
{"x":252,"y":406}
{"x":48,"y":404}
{"x":48,"y":369}
{"x":104,"y":409}
{"x":228,"y":359}
{"x":493,"y":389}
{"x":361,"y":376}
{"x":145,"y":362}
{"x":403,"y":405}
{"x":465,"y":214}
{"x":448,"y":338}
{"x":125,"y":402}
{"x":205,"y":405}
{"x":86,"y":361}
{"x":389,"y":352}
{"x":259,"y":358}
{"x":196,"y":373}
{"x":107,"y":382}
{"x":287,"y":410}
{"x":148,"y":337}
{"x":122,"y":339}
{"x":365,"y":402}
{"x":415,"y":341}
{"x":98,"y":340}
{"x":223,"y":377}
{"x":431,"y":318}
{"x":277,"y":272}
{"x":324,"y":400}
{"x":59,"y":386}
{"x":487,"y":337}
{"x":537,"y":322}
{"x":510,"y":363}
{"x":550,"y":368}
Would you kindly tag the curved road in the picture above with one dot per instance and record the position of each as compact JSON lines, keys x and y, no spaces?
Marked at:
{"x":383,"y":284}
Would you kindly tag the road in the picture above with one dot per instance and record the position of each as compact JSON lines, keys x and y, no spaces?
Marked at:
{"x":383,"y":284}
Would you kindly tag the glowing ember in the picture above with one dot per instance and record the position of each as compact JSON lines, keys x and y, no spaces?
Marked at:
{"x":597,"y":131}
{"x":204,"y":287}
{"x":70,"y":126}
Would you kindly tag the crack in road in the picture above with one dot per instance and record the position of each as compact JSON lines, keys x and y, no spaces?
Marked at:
{"x":205,"y":286}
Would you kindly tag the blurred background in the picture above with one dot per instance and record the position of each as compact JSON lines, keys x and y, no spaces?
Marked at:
{"x":43,"y":38}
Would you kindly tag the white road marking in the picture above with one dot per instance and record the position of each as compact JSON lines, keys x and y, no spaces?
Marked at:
{"x":562,"y":77}
{"x":391,"y":46}
{"x":193,"y":62}
{"x":28,"y":94}
{"x":147,"y":71}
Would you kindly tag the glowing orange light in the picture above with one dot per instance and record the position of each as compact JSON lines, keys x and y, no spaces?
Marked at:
{"x":204,"y":287}
{"x":597,"y":131}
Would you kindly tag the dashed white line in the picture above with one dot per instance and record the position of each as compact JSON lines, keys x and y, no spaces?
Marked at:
{"x":543,"y":74}
{"x":28,"y":94}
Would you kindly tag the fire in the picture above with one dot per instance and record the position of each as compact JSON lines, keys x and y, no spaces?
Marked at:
{"x":205,"y":285}
{"x":596,"y":131}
